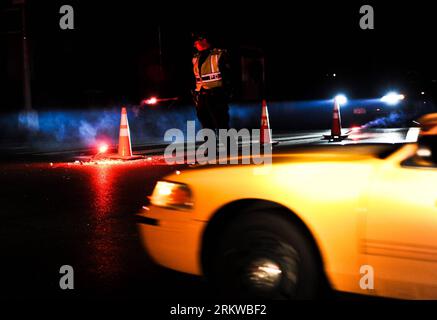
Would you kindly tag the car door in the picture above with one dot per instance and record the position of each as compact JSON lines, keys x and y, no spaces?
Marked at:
{"x":400,"y":241}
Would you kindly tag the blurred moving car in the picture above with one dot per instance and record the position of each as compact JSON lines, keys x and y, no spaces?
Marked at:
{"x":361,"y":218}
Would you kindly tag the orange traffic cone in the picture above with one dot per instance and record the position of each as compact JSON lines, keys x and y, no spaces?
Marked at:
{"x":336,"y":120}
{"x":336,"y":124}
{"x":124,"y":145}
{"x":265,"y":134}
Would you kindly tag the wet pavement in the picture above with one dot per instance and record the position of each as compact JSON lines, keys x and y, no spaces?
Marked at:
{"x":83,"y":216}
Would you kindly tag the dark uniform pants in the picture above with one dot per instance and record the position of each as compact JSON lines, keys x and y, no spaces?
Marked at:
{"x":212,"y":109}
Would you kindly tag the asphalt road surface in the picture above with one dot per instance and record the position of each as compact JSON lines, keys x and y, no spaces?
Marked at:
{"x":65,"y":213}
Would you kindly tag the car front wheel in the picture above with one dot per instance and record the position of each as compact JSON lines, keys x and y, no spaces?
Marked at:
{"x":262,"y":254}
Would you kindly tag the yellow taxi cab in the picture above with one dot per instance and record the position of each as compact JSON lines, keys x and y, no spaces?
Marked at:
{"x":360,"y":218}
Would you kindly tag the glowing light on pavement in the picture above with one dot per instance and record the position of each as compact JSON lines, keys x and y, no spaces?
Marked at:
{"x":93,"y":161}
{"x":103,"y":148}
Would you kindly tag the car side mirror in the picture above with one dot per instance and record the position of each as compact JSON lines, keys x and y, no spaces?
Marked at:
{"x":427,"y":148}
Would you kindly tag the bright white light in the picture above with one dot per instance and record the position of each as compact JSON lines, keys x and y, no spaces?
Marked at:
{"x":392,"y":98}
{"x":341,"y":99}
{"x":270,"y":269}
{"x":164,"y":188}
{"x":152,"y":100}
{"x":424,"y":152}
{"x":103,"y":148}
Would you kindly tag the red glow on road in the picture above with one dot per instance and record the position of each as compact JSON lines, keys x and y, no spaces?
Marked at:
{"x":93,"y":161}
{"x":95,"y":199}
{"x":355,"y":134}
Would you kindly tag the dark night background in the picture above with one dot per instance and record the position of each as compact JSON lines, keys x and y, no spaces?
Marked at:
{"x":123,"y":51}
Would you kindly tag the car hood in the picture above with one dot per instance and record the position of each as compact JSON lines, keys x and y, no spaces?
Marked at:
{"x":311,"y":159}
{"x":342,"y":153}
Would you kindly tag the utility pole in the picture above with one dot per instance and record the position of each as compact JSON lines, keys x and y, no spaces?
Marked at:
{"x":26,"y":63}
{"x":160,"y":52}
{"x":28,"y":117}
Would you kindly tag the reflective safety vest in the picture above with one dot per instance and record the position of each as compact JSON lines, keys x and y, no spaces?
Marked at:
{"x":209,"y":76}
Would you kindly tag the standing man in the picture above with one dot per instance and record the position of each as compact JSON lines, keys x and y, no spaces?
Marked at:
{"x":213,"y":83}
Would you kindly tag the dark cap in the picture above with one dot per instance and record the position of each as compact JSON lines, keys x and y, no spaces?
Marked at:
{"x":199,"y":35}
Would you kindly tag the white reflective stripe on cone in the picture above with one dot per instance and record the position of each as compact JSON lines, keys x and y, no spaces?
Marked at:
{"x":124,"y":132}
{"x":123,"y":120}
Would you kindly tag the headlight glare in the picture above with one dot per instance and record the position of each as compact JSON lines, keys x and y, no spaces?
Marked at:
{"x":172,"y":195}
